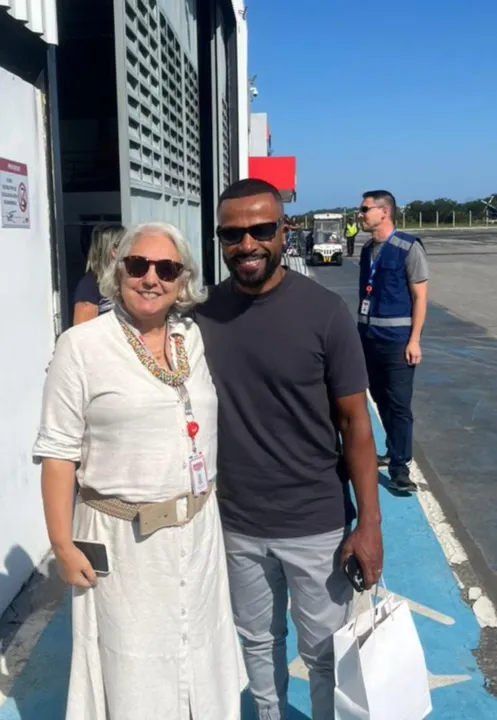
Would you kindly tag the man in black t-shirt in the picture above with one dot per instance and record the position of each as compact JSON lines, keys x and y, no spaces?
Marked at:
{"x":288,"y":366}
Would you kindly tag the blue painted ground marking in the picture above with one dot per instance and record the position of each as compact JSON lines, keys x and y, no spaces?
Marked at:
{"x":415,"y":567}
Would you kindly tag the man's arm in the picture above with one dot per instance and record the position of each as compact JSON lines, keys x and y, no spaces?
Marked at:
{"x":347,"y":382}
{"x":417,"y":276}
{"x":419,"y":293}
{"x":365,"y":542}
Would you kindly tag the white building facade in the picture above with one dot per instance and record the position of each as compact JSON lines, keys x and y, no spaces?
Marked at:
{"x":151,"y":124}
{"x":29,"y":285}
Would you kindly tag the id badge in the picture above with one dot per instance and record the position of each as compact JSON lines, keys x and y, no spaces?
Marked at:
{"x":365,"y":305}
{"x":198,"y":474}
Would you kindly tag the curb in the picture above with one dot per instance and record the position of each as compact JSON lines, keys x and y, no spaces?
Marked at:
{"x":474,"y":553}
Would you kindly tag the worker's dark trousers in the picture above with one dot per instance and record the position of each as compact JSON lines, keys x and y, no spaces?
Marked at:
{"x":391,"y":382}
{"x":350,"y":246}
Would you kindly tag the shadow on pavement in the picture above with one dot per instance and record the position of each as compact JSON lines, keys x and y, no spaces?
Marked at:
{"x":248,"y":710}
{"x":40,"y":692}
{"x":24,"y":668}
{"x":41,"y":591}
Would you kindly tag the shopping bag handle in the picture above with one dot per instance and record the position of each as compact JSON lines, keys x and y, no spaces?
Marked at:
{"x":373,"y":603}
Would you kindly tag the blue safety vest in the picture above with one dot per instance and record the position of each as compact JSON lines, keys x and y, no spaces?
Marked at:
{"x":390,"y":303}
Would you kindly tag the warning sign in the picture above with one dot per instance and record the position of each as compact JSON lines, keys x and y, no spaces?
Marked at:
{"x":14,"y":195}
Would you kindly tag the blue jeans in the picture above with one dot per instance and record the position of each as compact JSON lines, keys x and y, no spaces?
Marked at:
{"x":391,"y":382}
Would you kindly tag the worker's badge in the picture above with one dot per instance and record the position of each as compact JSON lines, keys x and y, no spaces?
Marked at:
{"x":365,"y":305}
{"x":198,"y":474}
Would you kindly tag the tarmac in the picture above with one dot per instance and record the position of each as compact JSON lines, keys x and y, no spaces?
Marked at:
{"x":422,"y":553}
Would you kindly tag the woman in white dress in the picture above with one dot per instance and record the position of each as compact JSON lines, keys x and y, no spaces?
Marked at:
{"x":129,"y":403}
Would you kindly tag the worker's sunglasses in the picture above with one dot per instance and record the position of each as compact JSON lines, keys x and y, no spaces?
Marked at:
{"x":366,"y":208}
{"x":262,"y":232}
{"x":138,"y":266}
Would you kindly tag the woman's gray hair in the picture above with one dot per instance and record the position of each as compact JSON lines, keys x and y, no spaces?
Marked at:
{"x":104,"y":239}
{"x":191,"y":293}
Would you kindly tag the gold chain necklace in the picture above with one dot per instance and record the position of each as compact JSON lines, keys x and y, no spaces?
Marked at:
{"x":175,"y":378}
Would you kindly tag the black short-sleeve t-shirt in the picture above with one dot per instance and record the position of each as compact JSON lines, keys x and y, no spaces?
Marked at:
{"x":278,"y":361}
{"x":87,"y":292}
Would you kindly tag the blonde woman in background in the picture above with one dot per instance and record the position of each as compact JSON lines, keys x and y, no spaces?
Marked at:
{"x":129,"y":403}
{"x":88,"y":301}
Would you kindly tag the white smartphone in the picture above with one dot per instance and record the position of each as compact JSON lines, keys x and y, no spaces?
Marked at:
{"x":96,"y":553}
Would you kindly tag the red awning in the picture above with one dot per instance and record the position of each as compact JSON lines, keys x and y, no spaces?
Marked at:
{"x":279,"y":171}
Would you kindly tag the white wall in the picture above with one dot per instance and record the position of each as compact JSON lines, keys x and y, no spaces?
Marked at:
{"x":27,"y":340}
{"x":40,"y":16}
{"x":243,"y":86}
{"x":258,"y":137}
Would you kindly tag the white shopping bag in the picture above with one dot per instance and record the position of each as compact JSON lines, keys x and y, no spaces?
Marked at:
{"x":380,"y":668}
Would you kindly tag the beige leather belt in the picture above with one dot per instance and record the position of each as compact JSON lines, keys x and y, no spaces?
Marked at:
{"x":151,"y":516}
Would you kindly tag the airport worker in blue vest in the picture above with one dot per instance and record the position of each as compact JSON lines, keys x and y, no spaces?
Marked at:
{"x":393,"y":289}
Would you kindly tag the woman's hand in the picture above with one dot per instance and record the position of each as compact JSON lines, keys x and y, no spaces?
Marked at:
{"x":74,"y":567}
{"x":57,"y":486}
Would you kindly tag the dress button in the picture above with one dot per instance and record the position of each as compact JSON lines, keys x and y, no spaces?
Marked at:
{"x":184,"y":638}
{"x":183,"y":612}
{"x":183,"y":553}
{"x":182,"y":583}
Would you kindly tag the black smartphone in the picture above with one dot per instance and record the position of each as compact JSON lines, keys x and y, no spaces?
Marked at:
{"x":353,"y":570}
{"x":96,"y":553}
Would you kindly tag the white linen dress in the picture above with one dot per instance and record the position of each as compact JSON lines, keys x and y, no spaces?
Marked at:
{"x":155,"y":640}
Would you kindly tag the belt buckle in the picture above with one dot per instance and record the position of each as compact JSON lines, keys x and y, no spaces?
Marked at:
{"x":155,"y":516}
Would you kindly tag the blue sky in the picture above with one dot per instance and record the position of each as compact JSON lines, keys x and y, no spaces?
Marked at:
{"x":401,"y":95}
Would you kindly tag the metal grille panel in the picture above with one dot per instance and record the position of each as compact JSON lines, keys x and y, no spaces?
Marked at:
{"x":163,"y":107}
{"x":192,"y":111}
{"x":226,"y":144}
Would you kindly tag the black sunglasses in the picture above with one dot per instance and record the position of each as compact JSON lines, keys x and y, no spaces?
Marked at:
{"x":262,"y":232}
{"x":137,"y":266}
{"x":366,"y":208}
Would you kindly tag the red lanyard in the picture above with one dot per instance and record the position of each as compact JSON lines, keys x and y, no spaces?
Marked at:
{"x":192,"y":427}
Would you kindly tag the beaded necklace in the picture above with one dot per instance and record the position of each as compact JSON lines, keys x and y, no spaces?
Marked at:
{"x":177,"y":377}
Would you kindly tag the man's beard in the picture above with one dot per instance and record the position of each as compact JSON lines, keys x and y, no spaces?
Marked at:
{"x":257,"y":278}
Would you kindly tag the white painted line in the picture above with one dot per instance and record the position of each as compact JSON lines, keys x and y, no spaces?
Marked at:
{"x":439,"y":681}
{"x":483,"y":608}
{"x":420,"y":609}
{"x":298,"y":670}
{"x":485,"y":612}
{"x":451,"y":546}
{"x":474,"y":593}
